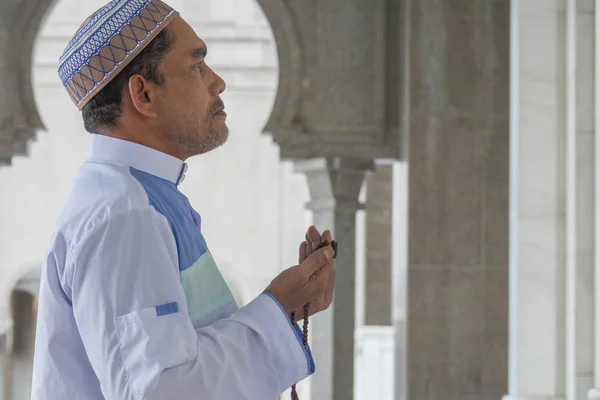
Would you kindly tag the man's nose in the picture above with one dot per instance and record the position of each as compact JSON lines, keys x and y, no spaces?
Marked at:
{"x":221,"y":85}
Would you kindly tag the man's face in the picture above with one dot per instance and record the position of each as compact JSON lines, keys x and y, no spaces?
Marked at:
{"x":191,"y":110}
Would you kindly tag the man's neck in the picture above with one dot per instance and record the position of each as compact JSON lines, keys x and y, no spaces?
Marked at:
{"x":148,"y":139}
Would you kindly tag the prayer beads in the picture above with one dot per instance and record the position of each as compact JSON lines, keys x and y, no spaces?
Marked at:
{"x":306,"y":310}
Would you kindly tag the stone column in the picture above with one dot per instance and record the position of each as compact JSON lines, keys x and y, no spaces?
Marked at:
{"x":334,"y":186}
{"x":580,"y":198}
{"x":2,"y":365}
{"x":594,"y":393}
{"x":400,"y":199}
{"x":322,"y":205}
{"x":24,"y":308}
{"x":378,"y":270}
{"x":374,"y":336}
{"x":458,"y":111}
{"x":537,"y":203}
{"x":6,"y":349}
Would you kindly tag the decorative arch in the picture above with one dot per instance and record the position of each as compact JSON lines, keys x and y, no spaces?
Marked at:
{"x":20,"y":23}
{"x":289,"y":54}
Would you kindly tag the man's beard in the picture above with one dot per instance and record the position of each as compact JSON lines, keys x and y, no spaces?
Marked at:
{"x":210,"y":139}
{"x":205,"y":138}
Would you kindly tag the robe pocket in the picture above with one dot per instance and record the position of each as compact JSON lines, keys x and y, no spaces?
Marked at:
{"x":152,"y":340}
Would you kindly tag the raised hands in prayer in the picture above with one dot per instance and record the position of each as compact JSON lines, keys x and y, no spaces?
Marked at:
{"x":311,"y":281}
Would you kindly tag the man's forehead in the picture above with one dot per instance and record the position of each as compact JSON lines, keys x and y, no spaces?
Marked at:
{"x":186,"y":39}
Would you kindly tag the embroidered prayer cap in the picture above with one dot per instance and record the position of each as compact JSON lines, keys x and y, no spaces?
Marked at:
{"x":106,"y":42}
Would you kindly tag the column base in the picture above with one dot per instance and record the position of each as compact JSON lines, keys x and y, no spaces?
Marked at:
{"x":594,"y":394}
{"x":513,"y":397}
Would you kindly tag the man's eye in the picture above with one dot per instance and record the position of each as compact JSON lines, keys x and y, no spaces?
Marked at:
{"x":200,"y":67}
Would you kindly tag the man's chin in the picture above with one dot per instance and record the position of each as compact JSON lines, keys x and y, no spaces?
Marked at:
{"x":222,"y":133}
{"x":219,"y":138}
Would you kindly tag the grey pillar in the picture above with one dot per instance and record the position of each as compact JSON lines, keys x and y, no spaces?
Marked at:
{"x":6,"y":364}
{"x":334,"y":186}
{"x":580,"y":199}
{"x":322,"y":205}
{"x":458,"y":67}
{"x":2,"y":365}
{"x":24,"y":313}
{"x":378,"y":271}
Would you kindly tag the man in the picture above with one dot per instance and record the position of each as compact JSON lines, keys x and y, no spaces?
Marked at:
{"x":132,"y":305}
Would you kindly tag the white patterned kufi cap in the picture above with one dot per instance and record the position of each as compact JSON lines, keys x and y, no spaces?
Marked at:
{"x":106,"y":42}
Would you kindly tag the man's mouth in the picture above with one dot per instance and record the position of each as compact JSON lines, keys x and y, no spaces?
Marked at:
{"x":220,"y":108}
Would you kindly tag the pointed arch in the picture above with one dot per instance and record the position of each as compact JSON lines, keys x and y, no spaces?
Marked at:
{"x":20,"y":21}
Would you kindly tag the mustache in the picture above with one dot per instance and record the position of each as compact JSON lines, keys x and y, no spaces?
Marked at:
{"x":217,"y":106}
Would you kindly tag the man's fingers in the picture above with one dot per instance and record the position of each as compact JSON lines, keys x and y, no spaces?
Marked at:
{"x":313,"y":237}
{"x":302,"y":253}
{"x":327,"y":236}
{"x":330,"y":286}
{"x":317,"y":260}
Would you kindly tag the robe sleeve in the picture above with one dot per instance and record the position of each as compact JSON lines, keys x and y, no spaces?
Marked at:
{"x":131,"y":312}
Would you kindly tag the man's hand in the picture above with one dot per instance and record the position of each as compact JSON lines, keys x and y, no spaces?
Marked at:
{"x":312,"y":281}
{"x":313,"y":239}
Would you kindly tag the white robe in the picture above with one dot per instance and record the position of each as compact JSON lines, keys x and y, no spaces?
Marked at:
{"x":132,"y":305}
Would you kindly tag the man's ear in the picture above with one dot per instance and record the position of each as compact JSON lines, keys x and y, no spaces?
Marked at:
{"x":143,"y":96}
